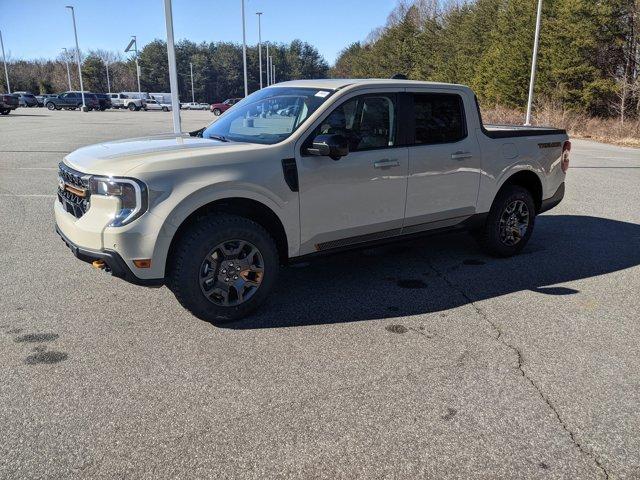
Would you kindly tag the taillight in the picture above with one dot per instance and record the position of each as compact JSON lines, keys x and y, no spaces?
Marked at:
{"x":564,"y":163}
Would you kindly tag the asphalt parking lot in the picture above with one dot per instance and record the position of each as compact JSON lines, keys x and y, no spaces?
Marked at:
{"x":421,"y":360}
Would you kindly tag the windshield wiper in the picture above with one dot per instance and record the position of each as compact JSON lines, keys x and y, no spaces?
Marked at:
{"x":219,"y":137}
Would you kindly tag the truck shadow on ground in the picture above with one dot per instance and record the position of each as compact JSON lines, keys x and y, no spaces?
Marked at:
{"x":439,"y":273}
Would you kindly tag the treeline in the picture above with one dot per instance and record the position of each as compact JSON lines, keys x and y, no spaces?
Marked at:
{"x":217,"y":69}
{"x":589,"y":57}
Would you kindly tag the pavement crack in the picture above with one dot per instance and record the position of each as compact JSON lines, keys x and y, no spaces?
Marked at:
{"x":500,"y":338}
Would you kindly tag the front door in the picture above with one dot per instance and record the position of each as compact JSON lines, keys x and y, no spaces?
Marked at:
{"x":361,"y":196}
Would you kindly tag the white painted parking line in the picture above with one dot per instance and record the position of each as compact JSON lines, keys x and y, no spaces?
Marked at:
{"x":26,"y":195}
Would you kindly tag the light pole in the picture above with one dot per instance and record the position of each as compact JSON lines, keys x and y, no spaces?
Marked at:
{"x":273,"y":72}
{"x":66,"y":61}
{"x":134,"y":43}
{"x":268,"y":68}
{"x":244,"y":51}
{"x":259,"y":14}
{"x":173,"y":71}
{"x":106,"y":63}
{"x":75,"y":33}
{"x":193,"y":95}
{"x":534,"y":63}
{"x":4,"y":60}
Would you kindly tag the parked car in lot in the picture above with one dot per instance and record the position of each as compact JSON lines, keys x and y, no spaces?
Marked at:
{"x":213,"y":215}
{"x":43,"y":97}
{"x":194,"y":106}
{"x":117,"y":100}
{"x":104,"y":101}
{"x":8,"y":102}
{"x":155,"y":105}
{"x":27,"y":99}
{"x":220,"y":108}
{"x":71,"y":101}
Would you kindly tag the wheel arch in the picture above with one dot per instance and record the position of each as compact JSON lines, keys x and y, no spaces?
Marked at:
{"x":241,"y":206}
{"x":527,"y":179}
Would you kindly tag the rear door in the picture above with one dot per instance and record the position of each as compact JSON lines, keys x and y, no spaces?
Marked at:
{"x":362,"y":195}
{"x":444,"y":162}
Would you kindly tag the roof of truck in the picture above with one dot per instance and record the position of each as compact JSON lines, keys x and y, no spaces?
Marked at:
{"x":338,"y":83}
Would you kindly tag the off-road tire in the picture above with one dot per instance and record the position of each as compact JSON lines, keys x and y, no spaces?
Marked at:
{"x":489,"y":235}
{"x":183,"y":275}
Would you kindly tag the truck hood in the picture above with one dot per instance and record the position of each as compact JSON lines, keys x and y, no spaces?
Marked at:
{"x":121,"y":156}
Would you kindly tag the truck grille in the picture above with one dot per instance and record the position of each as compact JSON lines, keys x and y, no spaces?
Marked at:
{"x":73,"y":190}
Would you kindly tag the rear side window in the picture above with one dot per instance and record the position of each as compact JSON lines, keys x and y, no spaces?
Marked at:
{"x":439,"y":118}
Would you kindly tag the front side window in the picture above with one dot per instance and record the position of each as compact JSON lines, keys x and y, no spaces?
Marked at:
{"x":267,"y":116}
{"x":367,"y":121}
{"x":439,"y":118}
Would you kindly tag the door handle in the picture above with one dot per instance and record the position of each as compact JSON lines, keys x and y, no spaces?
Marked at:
{"x":386,"y":163}
{"x":461,"y":155}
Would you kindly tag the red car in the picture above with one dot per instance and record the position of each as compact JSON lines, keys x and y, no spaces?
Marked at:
{"x":220,"y":108}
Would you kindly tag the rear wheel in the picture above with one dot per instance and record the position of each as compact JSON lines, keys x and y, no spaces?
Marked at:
{"x":223,"y":268}
{"x":165,"y":109}
{"x":132,"y":107}
{"x":510,"y":222}
{"x":5,"y":111}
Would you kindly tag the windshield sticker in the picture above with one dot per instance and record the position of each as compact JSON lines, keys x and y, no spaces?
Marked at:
{"x":322,"y":93}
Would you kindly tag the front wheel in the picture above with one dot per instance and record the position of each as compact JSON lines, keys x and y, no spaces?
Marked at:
{"x":510,"y":222}
{"x":223,"y":268}
{"x":217,"y":112}
{"x":5,"y":111}
{"x":165,"y":109}
{"x":51,"y":106}
{"x":132,"y":107}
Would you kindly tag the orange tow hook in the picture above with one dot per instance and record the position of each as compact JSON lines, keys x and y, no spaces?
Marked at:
{"x":99,"y":264}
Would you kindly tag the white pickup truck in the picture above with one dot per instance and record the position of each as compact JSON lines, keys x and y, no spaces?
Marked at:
{"x":128,"y":100}
{"x":215,"y":213}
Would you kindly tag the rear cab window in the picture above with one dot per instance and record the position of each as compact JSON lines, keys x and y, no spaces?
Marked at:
{"x":437,"y":118}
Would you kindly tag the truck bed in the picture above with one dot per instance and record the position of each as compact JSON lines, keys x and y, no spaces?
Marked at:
{"x":512,"y":131}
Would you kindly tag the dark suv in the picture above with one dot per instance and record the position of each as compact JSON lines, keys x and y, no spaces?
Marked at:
{"x":71,"y":101}
{"x":104,"y":101}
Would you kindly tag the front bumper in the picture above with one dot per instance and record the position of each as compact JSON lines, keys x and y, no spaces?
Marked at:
{"x":114,"y":262}
{"x":118,"y":247}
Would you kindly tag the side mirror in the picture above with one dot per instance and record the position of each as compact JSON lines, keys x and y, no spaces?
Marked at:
{"x":332,"y":145}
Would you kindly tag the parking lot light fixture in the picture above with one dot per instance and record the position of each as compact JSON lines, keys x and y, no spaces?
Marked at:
{"x":75,"y":33}
{"x":244,"y":51}
{"x":134,"y":43}
{"x":259,"y":14}
{"x":108,"y":81}
{"x":173,"y":70}
{"x":66,"y":61}
{"x":268,"y":68}
{"x":193,"y":95}
{"x":534,"y":62}
{"x":4,"y":60}
{"x":273,"y":72}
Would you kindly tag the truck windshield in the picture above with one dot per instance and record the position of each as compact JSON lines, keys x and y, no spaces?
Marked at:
{"x":267,"y":116}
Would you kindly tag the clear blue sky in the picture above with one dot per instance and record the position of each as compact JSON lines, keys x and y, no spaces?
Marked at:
{"x":40,"y":28}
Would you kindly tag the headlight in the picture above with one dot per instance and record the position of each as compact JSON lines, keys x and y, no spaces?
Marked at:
{"x":132,"y":194}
